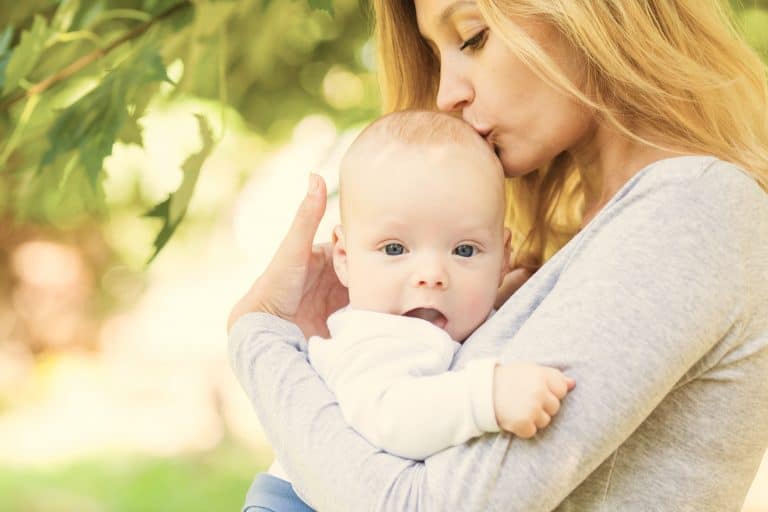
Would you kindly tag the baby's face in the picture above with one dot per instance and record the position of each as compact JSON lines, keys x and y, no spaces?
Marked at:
{"x":423,"y":236}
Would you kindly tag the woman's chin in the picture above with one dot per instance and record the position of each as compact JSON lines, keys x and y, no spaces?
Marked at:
{"x":514,"y":171}
{"x":515,"y":168}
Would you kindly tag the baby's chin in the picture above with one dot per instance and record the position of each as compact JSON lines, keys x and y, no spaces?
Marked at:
{"x":459,"y":337}
{"x":460,"y":333}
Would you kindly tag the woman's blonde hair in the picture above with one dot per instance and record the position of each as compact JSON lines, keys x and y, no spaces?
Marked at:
{"x":677,"y":70}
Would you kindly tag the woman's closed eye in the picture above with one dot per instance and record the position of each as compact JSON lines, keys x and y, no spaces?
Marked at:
{"x":475,"y":42}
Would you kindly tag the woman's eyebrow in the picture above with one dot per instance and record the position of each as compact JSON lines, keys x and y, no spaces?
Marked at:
{"x":445,"y":16}
{"x":448,"y":11}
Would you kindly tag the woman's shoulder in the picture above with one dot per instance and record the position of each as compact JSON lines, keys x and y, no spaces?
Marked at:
{"x":697,"y":188}
{"x":701,"y":174}
{"x":704,"y":212}
{"x":698,"y":211}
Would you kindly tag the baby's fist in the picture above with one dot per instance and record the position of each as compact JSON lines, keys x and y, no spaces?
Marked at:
{"x":526,"y":396}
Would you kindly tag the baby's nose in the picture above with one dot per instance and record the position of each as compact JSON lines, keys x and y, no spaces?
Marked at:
{"x":432,"y":283}
{"x":431,"y":277}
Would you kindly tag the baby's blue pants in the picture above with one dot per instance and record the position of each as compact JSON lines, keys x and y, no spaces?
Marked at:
{"x":271,"y":494}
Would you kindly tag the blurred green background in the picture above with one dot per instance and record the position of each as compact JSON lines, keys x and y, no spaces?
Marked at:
{"x":188,"y":127}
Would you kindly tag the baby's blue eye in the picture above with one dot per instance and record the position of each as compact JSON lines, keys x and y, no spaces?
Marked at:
{"x":464,"y":250}
{"x":394,"y":249}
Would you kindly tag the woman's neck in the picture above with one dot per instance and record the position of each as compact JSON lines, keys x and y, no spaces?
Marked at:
{"x":607,"y":163}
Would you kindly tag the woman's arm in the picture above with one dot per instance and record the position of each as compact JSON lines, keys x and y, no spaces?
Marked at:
{"x":300,"y":414}
{"x":650,"y":288}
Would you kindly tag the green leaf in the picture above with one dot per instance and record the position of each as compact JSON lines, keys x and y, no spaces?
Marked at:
{"x":131,"y":132}
{"x":173,"y":209}
{"x":5,"y":39}
{"x":210,"y":16}
{"x":160,"y":211}
{"x":5,"y":42}
{"x":322,"y":5}
{"x":156,"y":6}
{"x":60,"y":196}
{"x":192,"y":165}
{"x":92,"y":124}
{"x":65,"y":14}
{"x":27,"y":53}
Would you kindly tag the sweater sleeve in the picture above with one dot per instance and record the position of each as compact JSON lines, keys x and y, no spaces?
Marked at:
{"x":649,"y":290}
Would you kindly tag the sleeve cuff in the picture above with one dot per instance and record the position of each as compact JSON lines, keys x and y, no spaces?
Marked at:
{"x":481,"y":388}
{"x":254,"y":322}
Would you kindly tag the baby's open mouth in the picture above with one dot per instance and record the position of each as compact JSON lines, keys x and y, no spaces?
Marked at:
{"x":429,"y":314}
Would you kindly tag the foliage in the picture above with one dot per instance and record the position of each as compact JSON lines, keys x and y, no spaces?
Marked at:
{"x":132,"y":483}
{"x":172,"y":210}
{"x":77,"y":77}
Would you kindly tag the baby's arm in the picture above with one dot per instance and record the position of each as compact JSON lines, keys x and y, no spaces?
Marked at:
{"x":398,"y":393}
{"x":416,"y":416}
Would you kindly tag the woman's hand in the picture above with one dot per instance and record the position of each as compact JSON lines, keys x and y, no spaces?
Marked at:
{"x":513,"y":280}
{"x":299,"y":284}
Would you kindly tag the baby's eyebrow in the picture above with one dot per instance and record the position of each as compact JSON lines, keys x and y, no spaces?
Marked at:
{"x":390,"y":223}
{"x":474,"y":228}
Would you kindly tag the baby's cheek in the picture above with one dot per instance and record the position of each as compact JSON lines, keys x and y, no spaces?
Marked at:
{"x":479,"y":306}
{"x":372,"y":293}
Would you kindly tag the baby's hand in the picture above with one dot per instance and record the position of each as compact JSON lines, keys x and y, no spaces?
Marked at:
{"x":526,"y":396}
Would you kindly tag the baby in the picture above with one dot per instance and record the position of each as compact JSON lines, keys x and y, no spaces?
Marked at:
{"x":422,"y":249}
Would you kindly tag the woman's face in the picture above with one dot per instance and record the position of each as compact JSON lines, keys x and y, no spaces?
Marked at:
{"x":528,"y":122}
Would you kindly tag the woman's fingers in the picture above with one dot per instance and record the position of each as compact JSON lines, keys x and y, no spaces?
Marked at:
{"x":296,"y":248}
{"x":280,"y":289}
{"x":509,"y":285}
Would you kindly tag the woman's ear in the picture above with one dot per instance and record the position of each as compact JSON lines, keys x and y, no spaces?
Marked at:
{"x":340,"y":255}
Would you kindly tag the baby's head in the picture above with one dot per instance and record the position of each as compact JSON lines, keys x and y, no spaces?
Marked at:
{"x":422,"y":221}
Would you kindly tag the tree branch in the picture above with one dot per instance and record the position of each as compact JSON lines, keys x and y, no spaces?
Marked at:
{"x":87,"y":59}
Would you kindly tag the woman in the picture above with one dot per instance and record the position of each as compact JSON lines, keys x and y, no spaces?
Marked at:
{"x":636,"y":132}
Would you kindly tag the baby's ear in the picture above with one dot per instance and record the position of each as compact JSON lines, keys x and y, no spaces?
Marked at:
{"x":340,"y":255}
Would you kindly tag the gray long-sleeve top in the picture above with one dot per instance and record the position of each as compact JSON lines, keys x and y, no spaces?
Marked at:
{"x":658,"y":309}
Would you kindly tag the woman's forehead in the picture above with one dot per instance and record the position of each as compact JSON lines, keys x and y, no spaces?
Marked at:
{"x":433,"y":14}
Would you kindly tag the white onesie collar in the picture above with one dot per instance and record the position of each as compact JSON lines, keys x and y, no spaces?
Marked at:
{"x":361,"y":323}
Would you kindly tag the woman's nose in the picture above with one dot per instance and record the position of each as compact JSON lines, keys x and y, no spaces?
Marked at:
{"x":454,"y":91}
